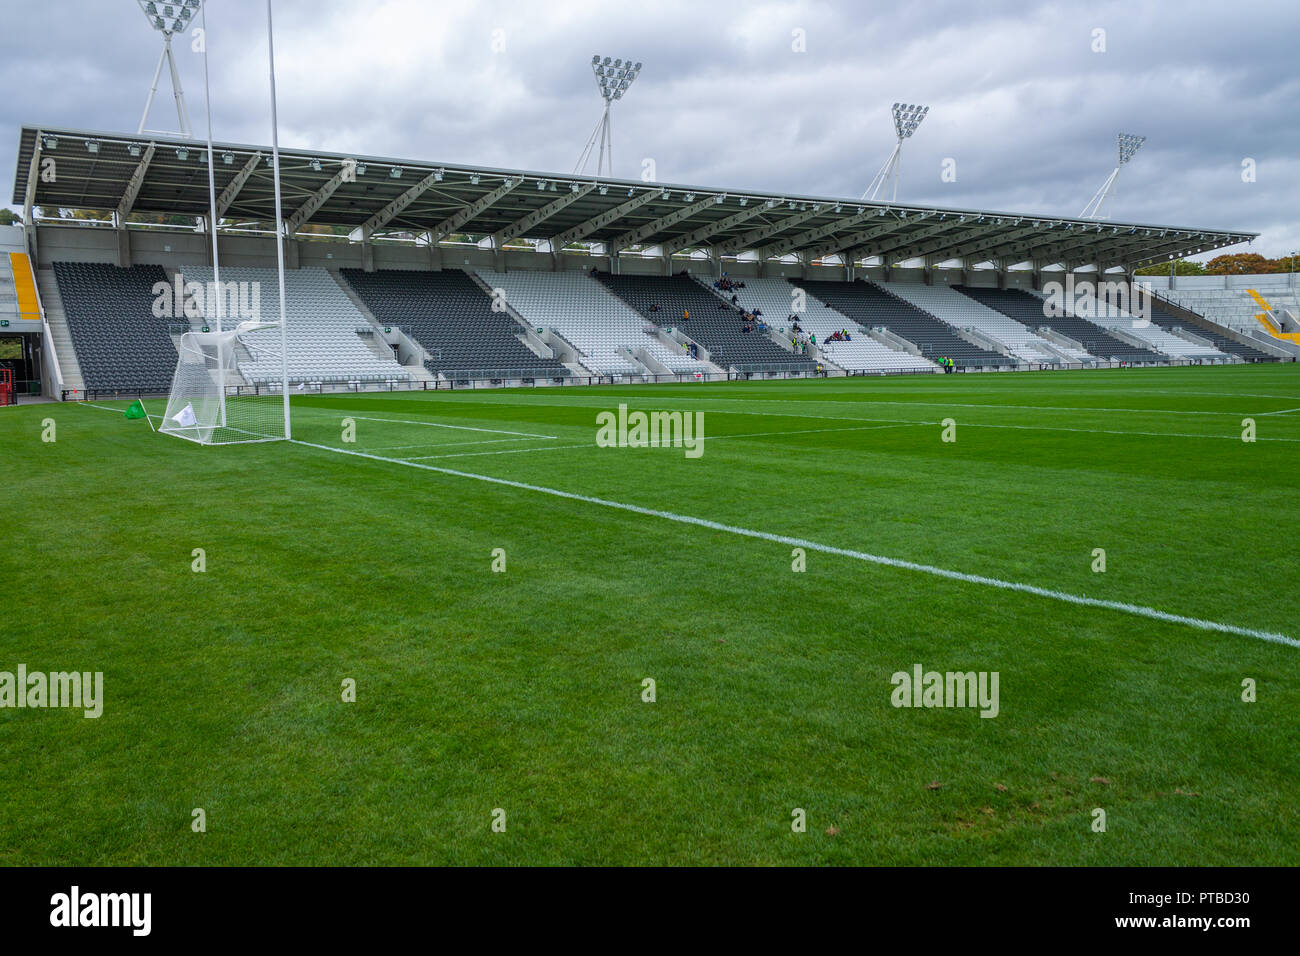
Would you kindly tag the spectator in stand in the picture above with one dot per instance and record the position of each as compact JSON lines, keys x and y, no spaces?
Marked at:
{"x":686,"y":315}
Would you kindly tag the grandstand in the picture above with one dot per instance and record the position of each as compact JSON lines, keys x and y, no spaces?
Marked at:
{"x":330,"y":341}
{"x":873,"y":306}
{"x":392,"y":263}
{"x":613,"y":338}
{"x":452,"y":318}
{"x":1078,"y":333}
{"x":682,"y":303}
{"x":861,"y":353}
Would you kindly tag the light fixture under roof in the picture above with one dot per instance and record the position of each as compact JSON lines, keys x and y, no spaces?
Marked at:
{"x":133,"y":149}
{"x":395,"y":172}
{"x":315,"y":165}
{"x":228,"y":158}
{"x":182,"y":153}
{"x":361,"y":169}
{"x":473,"y":178}
{"x":92,"y":146}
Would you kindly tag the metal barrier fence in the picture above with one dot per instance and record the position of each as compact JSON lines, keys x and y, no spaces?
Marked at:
{"x":456,"y":380}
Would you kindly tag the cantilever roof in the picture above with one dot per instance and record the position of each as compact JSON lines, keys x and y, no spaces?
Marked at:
{"x":146,"y":173}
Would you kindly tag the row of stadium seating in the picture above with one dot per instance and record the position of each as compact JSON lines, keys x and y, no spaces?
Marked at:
{"x":591,"y":318}
{"x":120,"y":343}
{"x":321,"y":329}
{"x":123,"y":346}
{"x":1028,"y":309}
{"x":1167,"y":321}
{"x":962,"y":311}
{"x":871,"y":306}
{"x":714,"y":324}
{"x":451,"y":317}
{"x":775,"y":298}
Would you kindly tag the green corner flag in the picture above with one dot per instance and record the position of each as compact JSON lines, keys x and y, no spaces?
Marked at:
{"x":136,"y":410}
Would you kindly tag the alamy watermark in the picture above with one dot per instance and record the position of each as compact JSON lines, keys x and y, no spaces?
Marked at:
{"x":198,"y":300}
{"x":922,"y":688}
{"x":38,"y":689}
{"x":1103,"y":299}
{"x":660,"y":429}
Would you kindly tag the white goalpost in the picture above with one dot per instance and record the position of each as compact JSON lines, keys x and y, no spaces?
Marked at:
{"x":203,"y":405}
{"x":204,"y":408}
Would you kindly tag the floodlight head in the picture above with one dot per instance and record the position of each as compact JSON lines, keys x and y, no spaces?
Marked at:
{"x":1129,"y":143}
{"x":170,"y":18}
{"x":907,"y":117}
{"x":613,"y":79}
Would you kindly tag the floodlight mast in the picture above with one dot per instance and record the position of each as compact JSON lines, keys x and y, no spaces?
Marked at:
{"x":1097,"y":208}
{"x":169,"y":19}
{"x":613,"y":80}
{"x":907,"y":117}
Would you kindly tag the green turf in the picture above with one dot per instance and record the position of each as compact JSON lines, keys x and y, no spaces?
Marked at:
{"x":522,"y":690}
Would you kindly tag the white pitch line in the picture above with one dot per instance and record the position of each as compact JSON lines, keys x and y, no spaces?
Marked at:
{"x":464,"y":428}
{"x":520,"y":451}
{"x":1285,"y":411}
{"x":1137,"y":610}
{"x":906,"y":421}
{"x":454,"y":444}
{"x":869,"y":402}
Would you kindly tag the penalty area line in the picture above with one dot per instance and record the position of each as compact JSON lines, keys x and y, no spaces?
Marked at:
{"x":1136,"y":610}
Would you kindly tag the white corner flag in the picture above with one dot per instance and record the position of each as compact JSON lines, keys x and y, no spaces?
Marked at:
{"x":185,"y":417}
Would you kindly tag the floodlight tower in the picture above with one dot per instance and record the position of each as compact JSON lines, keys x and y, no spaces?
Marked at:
{"x":1128,"y":145}
{"x":907,"y":117}
{"x":613,"y":79}
{"x":169,"y":19}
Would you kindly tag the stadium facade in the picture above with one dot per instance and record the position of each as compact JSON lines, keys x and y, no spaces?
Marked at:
{"x":355,"y":222}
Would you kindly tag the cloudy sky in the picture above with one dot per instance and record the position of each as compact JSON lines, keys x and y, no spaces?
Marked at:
{"x":1025,"y":97}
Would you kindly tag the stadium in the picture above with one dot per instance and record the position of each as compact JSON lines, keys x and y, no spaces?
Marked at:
{"x":408,"y":511}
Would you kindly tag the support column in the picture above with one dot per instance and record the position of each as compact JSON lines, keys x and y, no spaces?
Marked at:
{"x":886,"y":264}
{"x":291,"y":253}
{"x":123,"y":248}
{"x":367,"y":256}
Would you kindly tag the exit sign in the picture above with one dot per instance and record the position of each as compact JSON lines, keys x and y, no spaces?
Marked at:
{"x":4,"y":323}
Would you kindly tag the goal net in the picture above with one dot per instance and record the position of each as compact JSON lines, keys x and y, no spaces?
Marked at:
{"x":210,"y":403}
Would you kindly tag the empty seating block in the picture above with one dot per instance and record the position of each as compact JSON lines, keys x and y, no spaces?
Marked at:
{"x":714,"y":324}
{"x":451,"y":317}
{"x":861,"y":353}
{"x":1030,"y":310}
{"x":949,"y":305}
{"x":120,"y":344}
{"x":869,"y":305}
{"x":322,"y":329}
{"x":600,"y":325}
{"x":1167,"y":320}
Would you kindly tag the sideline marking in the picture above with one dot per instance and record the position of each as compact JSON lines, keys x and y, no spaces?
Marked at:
{"x":1137,"y":610}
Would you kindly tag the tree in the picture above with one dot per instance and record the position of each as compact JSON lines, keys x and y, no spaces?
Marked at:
{"x":1241,"y":263}
{"x":10,"y":218}
{"x":1182,"y":267}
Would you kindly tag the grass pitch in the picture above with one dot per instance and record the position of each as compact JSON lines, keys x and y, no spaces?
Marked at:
{"x":522,"y":690}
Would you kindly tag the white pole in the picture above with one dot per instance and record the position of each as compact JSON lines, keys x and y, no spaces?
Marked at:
{"x":148,"y":104}
{"x":609,"y":125}
{"x":212,"y":213}
{"x":182,"y":113}
{"x":279,"y":226}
